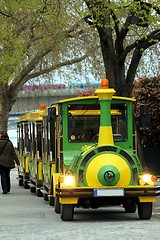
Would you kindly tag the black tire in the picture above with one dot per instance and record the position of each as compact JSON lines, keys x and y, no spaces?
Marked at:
{"x":39,"y":193}
{"x":20,"y":181}
{"x":131,"y":208}
{"x":33,"y":189}
{"x":145,"y":210}
{"x":51,"y":198}
{"x":25,"y":184}
{"x":67,"y":212}
{"x":51,"y":201}
{"x":57,"y":205}
{"x":45,"y":197}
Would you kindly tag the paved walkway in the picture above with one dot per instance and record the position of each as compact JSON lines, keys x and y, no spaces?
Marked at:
{"x":24,"y":216}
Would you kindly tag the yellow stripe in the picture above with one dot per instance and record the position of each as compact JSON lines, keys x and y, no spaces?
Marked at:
{"x":94,"y":97}
{"x":40,"y":170}
{"x":105,"y":136}
{"x":27,"y":164}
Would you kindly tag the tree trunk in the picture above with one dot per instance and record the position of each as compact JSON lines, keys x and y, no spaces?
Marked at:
{"x":6,"y":102}
{"x":108,"y":54}
{"x":114,"y":69}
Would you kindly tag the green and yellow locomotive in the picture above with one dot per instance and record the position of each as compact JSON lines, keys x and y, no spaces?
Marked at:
{"x":89,"y":156}
{"x":96,"y":161}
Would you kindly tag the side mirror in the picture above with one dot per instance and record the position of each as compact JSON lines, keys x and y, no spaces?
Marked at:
{"x":51,"y":114}
{"x":144,"y":114}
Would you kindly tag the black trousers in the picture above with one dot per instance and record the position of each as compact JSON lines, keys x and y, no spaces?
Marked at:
{"x":5,"y":178}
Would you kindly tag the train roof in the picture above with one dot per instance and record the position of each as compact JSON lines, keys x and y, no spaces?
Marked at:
{"x":94,"y":97}
{"x":96,"y":112}
{"x":34,"y":116}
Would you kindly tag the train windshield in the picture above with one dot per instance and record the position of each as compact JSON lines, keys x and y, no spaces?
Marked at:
{"x":84,"y":122}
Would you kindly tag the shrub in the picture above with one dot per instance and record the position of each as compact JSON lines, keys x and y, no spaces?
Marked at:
{"x":147,"y":91}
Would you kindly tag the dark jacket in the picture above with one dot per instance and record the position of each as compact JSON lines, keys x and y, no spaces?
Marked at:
{"x":8,"y":157}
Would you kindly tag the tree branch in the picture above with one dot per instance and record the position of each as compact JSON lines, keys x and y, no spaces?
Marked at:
{"x":143,"y":43}
{"x":140,"y":46}
{"x":150,"y":5}
{"x":25,"y":76}
{"x":151,"y":39}
{"x":125,"y":28}
{"x":22,"y":78}
{"x":5,"y":14}
{"x":133,"y":67}
{"x":56,"y":66}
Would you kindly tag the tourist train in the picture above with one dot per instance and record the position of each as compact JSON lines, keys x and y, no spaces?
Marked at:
{"x":82,"y":152}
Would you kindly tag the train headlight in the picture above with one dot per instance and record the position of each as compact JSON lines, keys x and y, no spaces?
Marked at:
{"x":69,"y":181}
{"x":146,"y":178}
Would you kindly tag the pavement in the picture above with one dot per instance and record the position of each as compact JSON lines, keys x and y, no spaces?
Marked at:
{"x":24,"y":216}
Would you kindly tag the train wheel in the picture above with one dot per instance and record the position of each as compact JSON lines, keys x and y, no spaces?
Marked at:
{"x":45,"y":197}
{"x":20,"y":181}
{"x":51,"y":198}
{"x":39,"y":193}
{"x":57,"y":205}
{"x":25,"y":184}
{"x":51,"y":201}
{"x":33,"y":189}
{"x":67,"y":212}
{"x":131,"y":208}
{"x":145,"y":210}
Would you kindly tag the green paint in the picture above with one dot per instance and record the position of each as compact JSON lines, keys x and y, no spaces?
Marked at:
{"x":105,"y":118}
{"x":108,"y":175}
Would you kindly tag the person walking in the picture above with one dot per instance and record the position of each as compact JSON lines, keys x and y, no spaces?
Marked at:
{"x":8,"y":158}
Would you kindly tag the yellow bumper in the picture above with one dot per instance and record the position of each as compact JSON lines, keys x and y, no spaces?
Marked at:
{"x":144,"y":193}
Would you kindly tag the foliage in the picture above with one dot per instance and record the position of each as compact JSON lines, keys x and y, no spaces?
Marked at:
{"x":37,"y":37}
{"x":44,"y":35}
{"x":146,"y":91}
{"x":126,"y":30}
{"x":88,"y":92}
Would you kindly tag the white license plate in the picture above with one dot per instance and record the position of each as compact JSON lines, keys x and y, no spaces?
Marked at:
{"x":108,"y":192}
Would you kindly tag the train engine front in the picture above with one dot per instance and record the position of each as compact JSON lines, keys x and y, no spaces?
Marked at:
{"x":106,"y":173}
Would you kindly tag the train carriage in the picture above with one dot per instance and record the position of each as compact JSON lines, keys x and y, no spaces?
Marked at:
{"x":49,"y":146}
{"x":30,"y":141}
